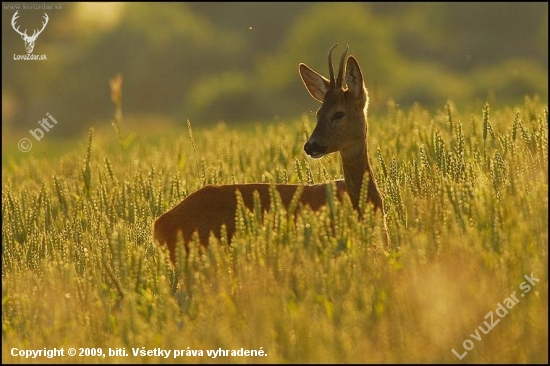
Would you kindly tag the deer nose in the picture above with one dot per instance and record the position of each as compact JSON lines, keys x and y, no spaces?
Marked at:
{"x":313,"y":149}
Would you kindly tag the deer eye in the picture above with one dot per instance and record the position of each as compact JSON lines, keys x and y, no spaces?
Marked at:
{"x":337,"y":116}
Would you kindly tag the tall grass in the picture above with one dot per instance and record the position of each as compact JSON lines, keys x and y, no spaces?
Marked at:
{"x":467,"y":200}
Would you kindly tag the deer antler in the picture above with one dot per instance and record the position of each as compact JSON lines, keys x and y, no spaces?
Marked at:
{"x":15,"y":16}
{"x":342,"y":67}
{"x":330,"y":68}
{"x":24,"y":34}
{"x":35,"y":35}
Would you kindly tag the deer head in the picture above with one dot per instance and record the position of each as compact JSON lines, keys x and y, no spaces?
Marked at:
{"x":29,"y":41}
{"x":341,"y":120}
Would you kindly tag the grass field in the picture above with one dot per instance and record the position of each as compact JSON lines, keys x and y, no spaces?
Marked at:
{"x":466,"y":192}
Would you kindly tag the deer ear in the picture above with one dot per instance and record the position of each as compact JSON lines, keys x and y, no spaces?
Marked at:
{"x":316,"y":84}
{"x":354,"y":77}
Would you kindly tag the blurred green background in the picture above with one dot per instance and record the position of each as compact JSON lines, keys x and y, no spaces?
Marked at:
{"x":238,"y":62}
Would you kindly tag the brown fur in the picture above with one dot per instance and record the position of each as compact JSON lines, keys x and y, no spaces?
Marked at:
{"x":206,"y":210}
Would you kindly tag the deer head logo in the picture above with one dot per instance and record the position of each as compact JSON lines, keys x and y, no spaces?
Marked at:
{"x":29,"y":41}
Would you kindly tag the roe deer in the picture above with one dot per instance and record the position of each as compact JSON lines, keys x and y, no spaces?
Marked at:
{"x":341,"y":126}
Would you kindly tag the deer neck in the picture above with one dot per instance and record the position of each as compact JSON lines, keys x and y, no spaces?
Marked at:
{"x":356,"y":165}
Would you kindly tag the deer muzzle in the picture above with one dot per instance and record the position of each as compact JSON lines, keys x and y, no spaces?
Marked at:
{"x":313,"y":149}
